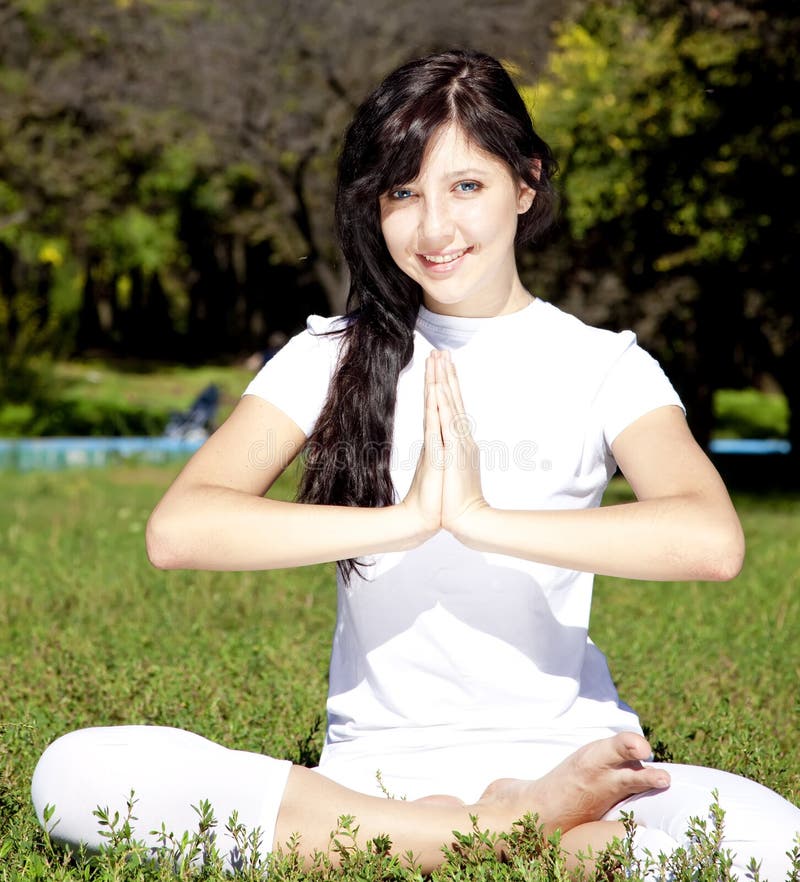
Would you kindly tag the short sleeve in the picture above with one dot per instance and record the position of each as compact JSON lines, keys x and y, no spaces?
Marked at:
{"x":634,"y":385}
{"x":297,"y":377}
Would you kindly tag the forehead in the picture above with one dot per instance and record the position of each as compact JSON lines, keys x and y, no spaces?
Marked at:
{"x":450,"y":150}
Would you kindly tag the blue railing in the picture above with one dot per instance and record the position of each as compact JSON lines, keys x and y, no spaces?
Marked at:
{"x":27,"y":454}
{"x":749,"y":446}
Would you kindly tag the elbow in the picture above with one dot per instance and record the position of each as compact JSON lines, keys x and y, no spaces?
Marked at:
{"x":726,"y":558}
{"x":160,"y":544}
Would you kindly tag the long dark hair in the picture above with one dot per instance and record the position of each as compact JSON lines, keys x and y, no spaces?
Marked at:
{"x":348,"y":453}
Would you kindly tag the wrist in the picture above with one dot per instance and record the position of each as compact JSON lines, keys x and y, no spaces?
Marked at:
{"x":414,"y":529}
{"x":473,"y":526}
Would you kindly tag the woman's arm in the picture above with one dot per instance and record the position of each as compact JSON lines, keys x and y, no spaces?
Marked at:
{"x":682,"y":526}
{"x":214,"y":516}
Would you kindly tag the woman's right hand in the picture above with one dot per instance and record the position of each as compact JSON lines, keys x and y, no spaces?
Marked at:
{"x":423,"y":502}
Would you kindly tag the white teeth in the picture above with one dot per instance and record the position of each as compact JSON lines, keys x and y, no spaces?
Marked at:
{"x":444,"y":258}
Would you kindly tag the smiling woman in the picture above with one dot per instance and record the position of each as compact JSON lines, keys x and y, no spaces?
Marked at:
{"x":453,"y":231}
{"x":461,"y":661}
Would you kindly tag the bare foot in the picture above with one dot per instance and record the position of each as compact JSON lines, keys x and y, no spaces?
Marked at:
{"x":584,"y":786}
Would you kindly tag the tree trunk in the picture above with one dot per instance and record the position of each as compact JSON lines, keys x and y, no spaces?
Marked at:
{"x":90,"y":332}
{"x":335,"y":284}
{"x":789,"y":378}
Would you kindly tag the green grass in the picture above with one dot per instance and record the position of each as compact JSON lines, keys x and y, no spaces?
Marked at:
{"x":90,"y":634}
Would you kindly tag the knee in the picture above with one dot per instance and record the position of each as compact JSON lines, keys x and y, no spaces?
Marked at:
{"x":60,"y":762}
{"x":757,"y":822}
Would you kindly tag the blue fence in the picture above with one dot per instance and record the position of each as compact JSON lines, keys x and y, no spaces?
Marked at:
{"x":28,"y":454}
{"x":749,"y":446}
{"x":54,"y":454}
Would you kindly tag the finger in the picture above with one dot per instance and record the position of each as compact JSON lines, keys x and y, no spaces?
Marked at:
{"x":446,"y":373}
{"x":456,"y":422}
{"x":455,"y":386}
{"x":431,"y":423}
{"x":443,"y":376}
{"x":447,"y":414}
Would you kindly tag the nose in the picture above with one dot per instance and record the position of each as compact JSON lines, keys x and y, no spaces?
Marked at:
{"x":435,"y":224}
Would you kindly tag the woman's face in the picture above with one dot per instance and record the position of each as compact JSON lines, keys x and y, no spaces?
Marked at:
{"x":452,"y":229}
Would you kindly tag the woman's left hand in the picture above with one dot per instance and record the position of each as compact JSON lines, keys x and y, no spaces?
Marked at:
{"x":462,"y":496}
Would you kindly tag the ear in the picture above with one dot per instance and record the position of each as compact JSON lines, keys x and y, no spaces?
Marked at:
{"x":526,"y":193}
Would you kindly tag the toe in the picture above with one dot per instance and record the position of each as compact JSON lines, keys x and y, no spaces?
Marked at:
{"x":647,"y":778}
{"x":634,"y":746}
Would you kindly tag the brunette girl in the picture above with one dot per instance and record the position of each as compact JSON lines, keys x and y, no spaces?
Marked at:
{"x":459,"y":433}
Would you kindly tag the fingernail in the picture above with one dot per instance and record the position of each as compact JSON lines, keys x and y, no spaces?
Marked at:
{"x":662,"y":781}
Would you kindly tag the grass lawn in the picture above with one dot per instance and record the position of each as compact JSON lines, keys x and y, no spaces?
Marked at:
{"x":90,"y":634}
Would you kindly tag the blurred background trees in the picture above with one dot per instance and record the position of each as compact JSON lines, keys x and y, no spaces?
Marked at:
{"x":167,"y":171}
{"x":679,"y":139}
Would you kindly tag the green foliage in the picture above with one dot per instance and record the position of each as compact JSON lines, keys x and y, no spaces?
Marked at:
{"x":624,"y":91}
{"x":46,"y":418}
{"x":30,"y":326}
{"x":135,"y":239}
{"x":197,"y":145}
{"x":677,"y":131}
{"x":748,"y":413}
{"x":23,"y":333}
{"x":100,"y":398}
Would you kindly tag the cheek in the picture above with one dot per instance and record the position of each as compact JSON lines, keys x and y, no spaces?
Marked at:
{"x":476,"y":217}
{"x":482,"y":221}
{"x":504,"y":216}
{"x":395,"y":234}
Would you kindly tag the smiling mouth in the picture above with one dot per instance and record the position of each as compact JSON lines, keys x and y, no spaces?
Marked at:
{"x":443,"y":259}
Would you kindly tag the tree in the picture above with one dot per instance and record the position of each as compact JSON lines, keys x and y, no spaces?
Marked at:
{"x":184,"y":158}
{"x":678,"y":136}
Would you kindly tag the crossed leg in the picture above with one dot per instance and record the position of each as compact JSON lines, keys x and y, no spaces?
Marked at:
{"x":170,"y":770}
{"x":580,"y":790}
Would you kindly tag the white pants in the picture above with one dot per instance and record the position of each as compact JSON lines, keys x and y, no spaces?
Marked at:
{"x":171,"y":770}
{"x":758,"y":822}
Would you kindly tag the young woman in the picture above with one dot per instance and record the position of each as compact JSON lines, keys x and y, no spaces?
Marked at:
{"x":459,"y":434}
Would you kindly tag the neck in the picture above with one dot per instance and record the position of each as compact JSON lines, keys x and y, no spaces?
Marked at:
{"x":513,"y":299}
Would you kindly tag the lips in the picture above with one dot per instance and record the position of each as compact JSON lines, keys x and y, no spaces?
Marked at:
{"x":443,"y":261}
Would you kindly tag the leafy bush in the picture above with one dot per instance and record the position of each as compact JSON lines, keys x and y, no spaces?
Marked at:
{"x":81,"y":418}
{"x":748,"y":413}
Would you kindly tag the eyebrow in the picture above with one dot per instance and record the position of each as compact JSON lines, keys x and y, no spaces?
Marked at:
{"x":466,"y":173}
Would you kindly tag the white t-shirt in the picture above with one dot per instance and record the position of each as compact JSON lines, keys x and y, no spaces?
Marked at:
{"x":443,"y":654}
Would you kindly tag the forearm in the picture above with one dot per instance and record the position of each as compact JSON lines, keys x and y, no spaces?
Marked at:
{"x":669,"y":538}
{"x":216,"y":528}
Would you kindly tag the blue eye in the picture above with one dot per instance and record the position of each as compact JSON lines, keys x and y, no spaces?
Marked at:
{"x":467,"y":186}
{"x":401,"y":193}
